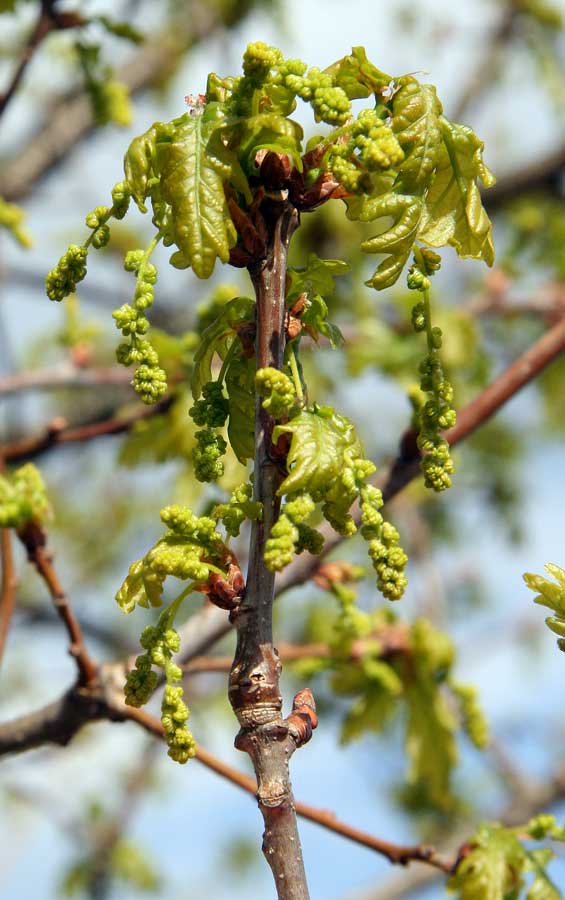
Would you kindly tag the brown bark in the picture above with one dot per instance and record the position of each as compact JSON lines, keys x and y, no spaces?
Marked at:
{"x":254,"y":691}
{"x":34,"y":539}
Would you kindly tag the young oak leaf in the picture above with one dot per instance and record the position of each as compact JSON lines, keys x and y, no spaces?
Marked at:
{"x":138,"y":163}
{"x":315,"y":318}
{"x":267,"y":131}
{"x":317,"y":276}
{"x":192,"y":182}
{"x":453,"y":212}
{"x":240,"y":387}
{"x":415,"y":122}
{"x":358,"y":77}
{"x":492,"y":870}
{"x":551,"y":595}
{"x":217,"y":338}
{"x":320,"y":440}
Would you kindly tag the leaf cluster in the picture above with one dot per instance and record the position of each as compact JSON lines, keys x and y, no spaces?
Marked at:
{"x":389,"y":669}
{"x":498,"y":866}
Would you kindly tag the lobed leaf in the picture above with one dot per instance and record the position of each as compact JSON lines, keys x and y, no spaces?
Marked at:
{"x":453,"y":211}
{"x":358,"y":77}
{"x":493,"y":868}
{"x":415,"y":122}
{"x":317,"y":276}
{"x":320,"y":440}
{"x":192,"y":184}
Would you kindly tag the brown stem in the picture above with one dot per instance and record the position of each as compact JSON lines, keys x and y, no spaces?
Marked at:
{"x":42,"y":28}
{"x":487,"y":70}
{"x":66,"y":375}
{"x":392,"y":641}
{"x":8,"y":587}
{"x":48,"y":21}
{"x":34,"y":540}
{"x":59,"y":432}
{"x":69,"y":119}
{"x":254,"y":679}
{"x":398,"y":854}
{"x":60,"y":721}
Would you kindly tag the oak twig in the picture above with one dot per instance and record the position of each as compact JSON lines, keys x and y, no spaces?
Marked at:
{"x":392,"y":640}
{"x":397,"y":853}
{"x":70,"y":119}
{"x":59,"y":432}
{"x":49,"y":20}
{"x":7,"y":587}
{"x":66,"y":375}
{"x":254,"y":690}
{"x":60,"y":721}
{"x":34,"y":540}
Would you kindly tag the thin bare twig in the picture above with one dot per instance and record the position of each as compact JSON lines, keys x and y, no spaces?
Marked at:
{"x":70,"y":119}
{"x":34,"y":540}
{"x":398,"y":854}
{"x":392,"y":640}
{"x":520,"y":809}
{"x":545,"y":174}
{"x":486,"y":72}
{"x":7,"y":588}
{"x":66,"y":375}
{"x":59,"y":722}
{"x":59,"y":432}
{"x":49,"y":20}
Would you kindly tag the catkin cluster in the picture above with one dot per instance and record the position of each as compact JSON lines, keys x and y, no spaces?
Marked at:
{"x":369,"y":145}
{"x":159,"y":643}
{"x":388,"y":558}
{"x":437,"y":412}
{"x":23,"y":498}
{"x":290,"y":534}
{"x":241,"y":506}
{"x":149,"y":380}
{"x":277,"y":390}
{"x":212,"y":411}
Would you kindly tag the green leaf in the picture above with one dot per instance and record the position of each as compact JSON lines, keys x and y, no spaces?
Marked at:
{"x":139,"y":161}
{"x":551,"y":595}
{"x":192,"y":183}
{"x":397,"y":241}
{"x":542,"y":887}
{"x":217,"y":338}
{"x":120,"y":29}
{"x":358,"y":77}
{"x":430,"y":724}
{"x":12,"y":218}
{"x":493,"y":868}
{"x":317,"y":277}
{"x":430,"y":741}
{"x":453,"y":211}
{"x":266,"y":131}
{"x":415,"y":122}
{"x":315,"y":317}
{"x":240,"y":387}
{"x":320,"y":440}
{"x":160,"y":438}
{"x":370,"y":712}
{"x":130,"y":863}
